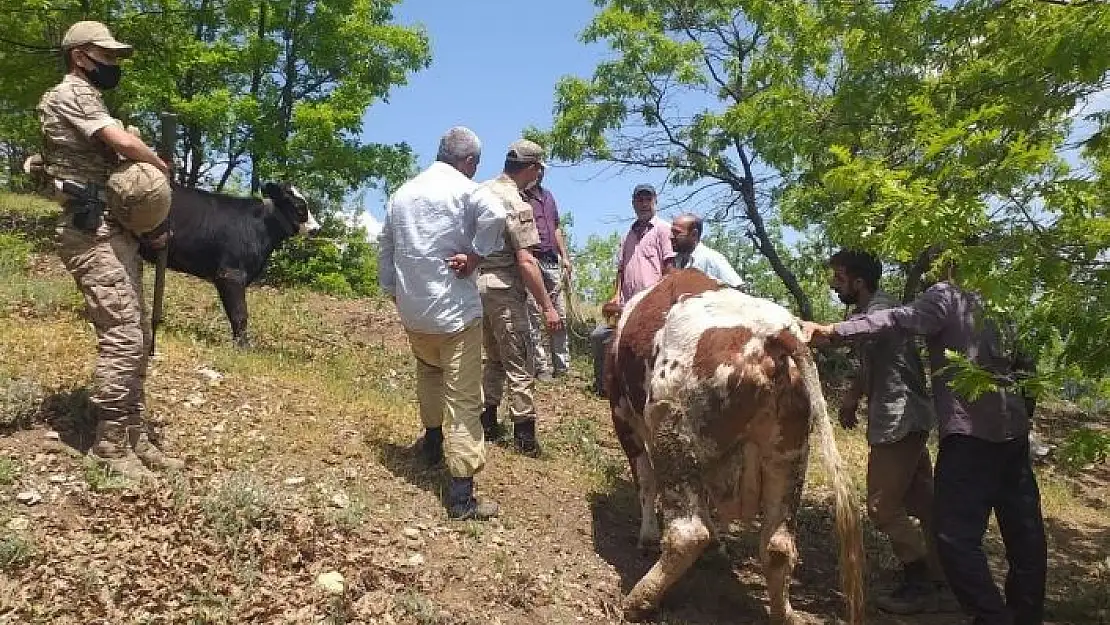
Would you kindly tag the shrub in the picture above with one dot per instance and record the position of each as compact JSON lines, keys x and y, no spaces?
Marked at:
{"x":338,"y":260}
{"x":15,"y":251}
{"x":1084,"y":446}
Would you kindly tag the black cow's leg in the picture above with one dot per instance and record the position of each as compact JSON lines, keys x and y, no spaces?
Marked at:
{"x":233,"y":294}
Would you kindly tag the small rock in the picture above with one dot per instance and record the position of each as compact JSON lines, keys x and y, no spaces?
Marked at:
{"x":18,"y":524}
{"x":194,"y":400}
{"x":331,"y":582}
{"x":29,"y":497}
{"x":294,"y":481}
{"x":219,"y":428}
{"x":340,"y":500}
{"x":411,"y":532}
{"x":210,"y":375}
{"x":51,"y":435}
{"x":415,"y":560}
{"x":497,"y":540}
{"x":59,"y":478}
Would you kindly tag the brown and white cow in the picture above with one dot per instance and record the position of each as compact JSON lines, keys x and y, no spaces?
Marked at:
{"x":714,"y":395}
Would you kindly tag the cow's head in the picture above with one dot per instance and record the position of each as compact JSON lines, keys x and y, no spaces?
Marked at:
{"x":293,"y":204}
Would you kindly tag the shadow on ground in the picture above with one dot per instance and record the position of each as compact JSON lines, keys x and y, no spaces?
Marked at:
{"x":403,"y":461}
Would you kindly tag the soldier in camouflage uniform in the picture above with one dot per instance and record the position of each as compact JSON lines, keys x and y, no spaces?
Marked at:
{"x":506,"y":278}
{"x":84,"y":144}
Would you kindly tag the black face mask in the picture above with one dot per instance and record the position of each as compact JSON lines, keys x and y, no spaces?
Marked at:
{"x":103,"y":76}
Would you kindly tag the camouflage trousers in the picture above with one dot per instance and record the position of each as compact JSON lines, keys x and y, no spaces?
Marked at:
{"x":559,"y":361}
{"x":509,"y":352}
{"x":109,"y":273}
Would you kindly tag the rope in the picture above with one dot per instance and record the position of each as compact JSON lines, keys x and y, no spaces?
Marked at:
{"x":575,"y":319}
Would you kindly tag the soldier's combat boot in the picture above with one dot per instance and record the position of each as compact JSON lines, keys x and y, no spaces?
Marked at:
{"x":431,"y":447}
{"x":151,"y":456}
{"x":113,"y":451}
{"x":461,"y":504}
{"x":524,"y":438}
{"x":493,"y":429}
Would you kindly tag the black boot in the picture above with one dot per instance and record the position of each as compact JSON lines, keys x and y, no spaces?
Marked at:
{"x":915,"y":595}
{"x":461,"y":504}
{"x":494,"y":431}
{"x":524,"y":438}
{"x":431,"y":450}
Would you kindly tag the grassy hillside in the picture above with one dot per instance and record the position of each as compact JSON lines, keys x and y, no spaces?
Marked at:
{"x":299,"y":465}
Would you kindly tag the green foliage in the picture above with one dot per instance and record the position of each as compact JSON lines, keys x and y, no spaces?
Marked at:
{"x":270,"y":89}
{"x":15,"y":551}
{"x":9,"y":470}
{"x":1083,"y":447}
{"x":338,"y":260}
{"x":20,"y":400}
{"x":892,"y":127}
{"x":956,"y":122}
{"x":595,"y":267}
{"x":15,"y":251}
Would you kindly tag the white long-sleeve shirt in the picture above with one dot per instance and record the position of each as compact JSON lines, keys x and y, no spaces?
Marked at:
{"x":433,"y":216}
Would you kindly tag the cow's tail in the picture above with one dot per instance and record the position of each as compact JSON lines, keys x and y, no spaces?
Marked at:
{"x":848,"y":530}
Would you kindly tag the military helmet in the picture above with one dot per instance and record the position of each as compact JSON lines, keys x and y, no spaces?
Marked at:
{"x":138,"y":196}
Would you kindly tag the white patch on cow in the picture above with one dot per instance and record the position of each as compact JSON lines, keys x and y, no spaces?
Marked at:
{"x":310,"y":225}
{"x":677,"y":341}
{"x":297,"y":194}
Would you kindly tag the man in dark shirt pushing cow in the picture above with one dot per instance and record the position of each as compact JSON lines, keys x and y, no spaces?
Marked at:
{"x":983,"y":463}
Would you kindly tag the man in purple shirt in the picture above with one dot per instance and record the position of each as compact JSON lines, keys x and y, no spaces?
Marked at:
{"x":554,"y":261}
{"x":983,"y":463}
{"x":644,"y":256}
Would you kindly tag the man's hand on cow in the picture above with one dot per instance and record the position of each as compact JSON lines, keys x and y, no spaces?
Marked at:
{"x":553,"y":320}
{"x":816,"y":334}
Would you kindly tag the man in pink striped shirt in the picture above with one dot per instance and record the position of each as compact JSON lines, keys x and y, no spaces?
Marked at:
{"x":645,"y":256}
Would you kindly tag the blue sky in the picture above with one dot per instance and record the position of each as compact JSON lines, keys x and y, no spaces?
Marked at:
{"x":494,"y":69}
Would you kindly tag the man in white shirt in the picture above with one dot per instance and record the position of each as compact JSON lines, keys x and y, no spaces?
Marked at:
{"x":438,"y":226}
{"x":690,"y":252}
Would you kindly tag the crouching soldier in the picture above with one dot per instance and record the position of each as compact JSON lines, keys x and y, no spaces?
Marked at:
{"x":114,"y":190}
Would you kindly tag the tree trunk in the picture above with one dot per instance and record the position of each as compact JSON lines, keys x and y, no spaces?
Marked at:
{"x":762,"y":240}
{"x":914,"y":272}
{"x":745,"y":185}
{"x":256,"y":85}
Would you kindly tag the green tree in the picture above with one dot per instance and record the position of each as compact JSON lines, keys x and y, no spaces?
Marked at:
{"x":264,"y":88}
{"x":952,"y":127}
{"x":716,"y":93}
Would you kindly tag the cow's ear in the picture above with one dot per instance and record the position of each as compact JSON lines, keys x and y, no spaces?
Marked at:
{"x":271,"y":190}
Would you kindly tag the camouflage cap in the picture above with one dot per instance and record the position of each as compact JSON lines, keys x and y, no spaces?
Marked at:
{"x":97,"y":34}
{"x":138,"y":196}
{"x":525,"y":151}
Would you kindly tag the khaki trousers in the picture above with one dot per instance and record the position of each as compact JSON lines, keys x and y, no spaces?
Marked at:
{"x":509,"y":352}
{"x":449,"y":390}
{"x":900,"y":486}
{"x":109,"y":273}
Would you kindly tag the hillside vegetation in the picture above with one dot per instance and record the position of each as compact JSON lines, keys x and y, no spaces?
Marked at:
{"x":299,"y":466}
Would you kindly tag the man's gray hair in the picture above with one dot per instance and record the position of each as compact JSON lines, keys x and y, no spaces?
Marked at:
{"x":458,"y":144}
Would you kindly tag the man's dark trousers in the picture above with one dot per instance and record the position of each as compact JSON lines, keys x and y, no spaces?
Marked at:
{"x":973,"y":477}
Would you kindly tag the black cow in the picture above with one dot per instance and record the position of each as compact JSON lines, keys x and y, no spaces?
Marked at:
{"x":227,"y":240}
